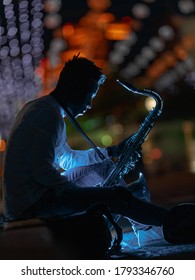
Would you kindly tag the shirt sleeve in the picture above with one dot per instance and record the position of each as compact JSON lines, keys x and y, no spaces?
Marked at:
{"x":75,"y":158}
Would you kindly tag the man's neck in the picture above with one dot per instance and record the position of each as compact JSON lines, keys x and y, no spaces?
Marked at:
{"x":55,"y":95}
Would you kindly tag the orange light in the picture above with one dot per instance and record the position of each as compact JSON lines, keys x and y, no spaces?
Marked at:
{"x":188,"y":42}
{"x":117,"y":31}
{"x":101,"y":63}
{"x":169,"y":59}
{"x":68,"y":30}
{"x":126,"y":19}
{"x":153,"y":72}
{"x":147,"y":159}
{"x":2,"y":145}
{"x":104,"y":19}
{"x":98,"y":6}
{"x":39,"y":71}
{"x":79,"y":38}
{"x":156,"y":153}
{"x":68,"y":54}
{"x":180,"y":53}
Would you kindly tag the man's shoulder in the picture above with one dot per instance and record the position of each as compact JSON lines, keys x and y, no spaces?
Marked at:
{"x":42,"y":105}
{"x":47,"y":102}
{"x":46,"y":113}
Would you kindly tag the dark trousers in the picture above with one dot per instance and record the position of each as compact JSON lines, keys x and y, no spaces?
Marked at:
{"x":118,"y":199}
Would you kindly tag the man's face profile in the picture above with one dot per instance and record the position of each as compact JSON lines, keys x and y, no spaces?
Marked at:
{"x":80,"y":108}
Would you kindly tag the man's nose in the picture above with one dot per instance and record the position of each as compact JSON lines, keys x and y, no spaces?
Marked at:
{"x":89,"y":105}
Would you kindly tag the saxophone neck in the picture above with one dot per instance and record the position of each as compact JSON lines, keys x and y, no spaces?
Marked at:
{"x":145,"y":92}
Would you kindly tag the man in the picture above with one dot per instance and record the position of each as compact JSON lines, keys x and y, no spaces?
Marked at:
{"x":37,"y":150}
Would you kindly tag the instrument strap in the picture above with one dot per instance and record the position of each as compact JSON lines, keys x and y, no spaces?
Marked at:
{"x":77,"y":126}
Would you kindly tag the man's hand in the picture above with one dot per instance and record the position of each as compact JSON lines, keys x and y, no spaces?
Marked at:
{"x":116,"y":150}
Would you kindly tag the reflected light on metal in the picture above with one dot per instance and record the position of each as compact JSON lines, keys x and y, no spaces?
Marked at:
{"x":149,"y":103}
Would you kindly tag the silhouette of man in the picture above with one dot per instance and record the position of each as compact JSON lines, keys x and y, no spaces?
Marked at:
{"x":37,"y":151}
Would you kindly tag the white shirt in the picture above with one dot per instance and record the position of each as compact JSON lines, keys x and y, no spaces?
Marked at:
{"x":36,"y":150}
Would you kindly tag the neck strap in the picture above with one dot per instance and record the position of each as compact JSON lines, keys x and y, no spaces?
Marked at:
{"x":75,"y":123}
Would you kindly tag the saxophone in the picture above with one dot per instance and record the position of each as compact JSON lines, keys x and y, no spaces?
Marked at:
{"x":127,"y":159}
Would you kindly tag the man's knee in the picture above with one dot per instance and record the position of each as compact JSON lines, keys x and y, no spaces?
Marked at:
{"x":122,"y":192}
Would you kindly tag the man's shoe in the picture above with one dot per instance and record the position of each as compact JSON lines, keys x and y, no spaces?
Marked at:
{"x":148,"y":235}
{"x":179,"y":225}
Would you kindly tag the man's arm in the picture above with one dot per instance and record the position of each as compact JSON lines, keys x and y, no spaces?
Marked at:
{"x":74,"y":158}
{"x":45,"y":134}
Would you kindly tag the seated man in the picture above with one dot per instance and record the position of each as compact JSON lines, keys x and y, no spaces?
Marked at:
{"x":37,"y":150}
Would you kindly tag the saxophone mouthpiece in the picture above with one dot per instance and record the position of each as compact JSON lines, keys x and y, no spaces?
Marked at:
{"x":127,"y":85}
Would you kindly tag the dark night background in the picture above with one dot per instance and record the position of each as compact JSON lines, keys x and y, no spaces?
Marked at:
{"x":151,"y":44}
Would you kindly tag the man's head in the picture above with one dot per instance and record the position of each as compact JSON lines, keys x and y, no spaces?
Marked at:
{"x":78,"y":84}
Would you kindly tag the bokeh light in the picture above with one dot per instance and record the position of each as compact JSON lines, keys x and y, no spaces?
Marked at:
{"x":106,"y":140}
{"x":21,"y":49}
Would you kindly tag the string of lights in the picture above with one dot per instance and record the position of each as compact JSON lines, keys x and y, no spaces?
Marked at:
{"x":21,"y":48}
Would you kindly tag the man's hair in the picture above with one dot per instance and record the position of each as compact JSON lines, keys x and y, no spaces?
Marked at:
{"x":77,"y":77}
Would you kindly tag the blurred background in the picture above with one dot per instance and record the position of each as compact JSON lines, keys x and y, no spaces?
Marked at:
{"x":149,"y":43}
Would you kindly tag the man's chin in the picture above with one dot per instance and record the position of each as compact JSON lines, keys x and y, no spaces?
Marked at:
{"x":80,"y":114}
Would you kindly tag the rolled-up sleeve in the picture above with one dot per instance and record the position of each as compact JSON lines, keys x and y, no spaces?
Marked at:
{"x":74,"y":158}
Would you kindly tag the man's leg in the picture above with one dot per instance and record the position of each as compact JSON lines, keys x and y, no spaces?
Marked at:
{"x":146,"y":234}
{"x":118,"y":199}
